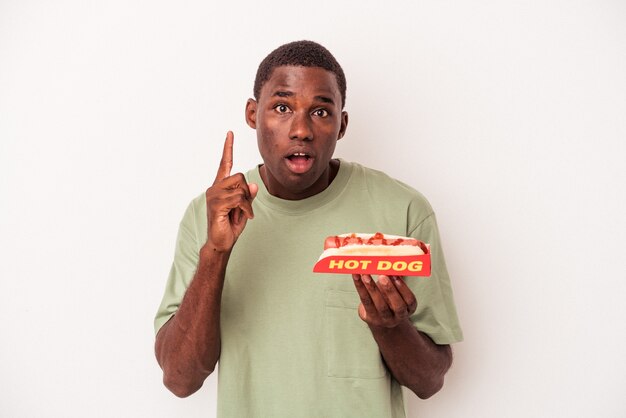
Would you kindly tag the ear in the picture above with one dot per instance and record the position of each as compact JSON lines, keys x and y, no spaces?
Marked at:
{"x":251,"y":113}
{"x":344,"y":125}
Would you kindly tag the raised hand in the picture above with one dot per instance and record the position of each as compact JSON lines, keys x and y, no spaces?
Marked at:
{"x":385,"y":304}
{"x":229,"y":203}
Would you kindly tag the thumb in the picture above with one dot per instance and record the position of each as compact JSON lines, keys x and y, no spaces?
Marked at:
{"x":254,"y":189}
{"x":362,"y":312}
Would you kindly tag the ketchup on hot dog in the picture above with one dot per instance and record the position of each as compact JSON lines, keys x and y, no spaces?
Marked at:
{"x":338,"y":241}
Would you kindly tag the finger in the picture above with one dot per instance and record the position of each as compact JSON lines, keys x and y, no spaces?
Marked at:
{"x":235,"y":215}
{"x":226,"y":163}
{"x":236,"y":192}
{"x":380,"y":304}
{"x":238,"y":220}
{"x":236,"y":200}
{"x":244,"y":204}
{"x":407,"y":294}
{"x":242,"y":213}
{"x":242,"y":208}
{"x":394,"y":298}
{"x":236,"y":181}
{"x":251,"y":191}
{"x":369,"y":310}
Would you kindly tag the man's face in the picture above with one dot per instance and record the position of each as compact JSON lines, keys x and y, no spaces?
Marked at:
{"x":298,"y":119}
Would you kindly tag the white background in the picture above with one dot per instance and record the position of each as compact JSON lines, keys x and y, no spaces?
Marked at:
{"x":508,"y":115}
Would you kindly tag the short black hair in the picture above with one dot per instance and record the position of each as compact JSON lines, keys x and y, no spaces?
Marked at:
{"x":303,"y":54}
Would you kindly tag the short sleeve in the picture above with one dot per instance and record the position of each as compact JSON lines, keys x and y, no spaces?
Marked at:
{"x":436,"y":313}
{"x":183,"y":268}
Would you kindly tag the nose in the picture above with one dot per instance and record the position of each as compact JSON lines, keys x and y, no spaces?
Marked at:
{"x":301,"y":127}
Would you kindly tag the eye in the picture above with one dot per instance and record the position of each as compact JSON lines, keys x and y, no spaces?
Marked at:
{"x":322,"y":113}
{"x":281,"y":108}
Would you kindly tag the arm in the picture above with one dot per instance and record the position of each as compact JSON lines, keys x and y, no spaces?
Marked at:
{"x":188,"y":346}
{"x":411,"y":356}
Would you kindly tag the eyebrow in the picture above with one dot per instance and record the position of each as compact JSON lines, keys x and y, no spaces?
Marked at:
{"x":283,"y":93}
{"x":287,"y":93}
{"x":325,"y":99}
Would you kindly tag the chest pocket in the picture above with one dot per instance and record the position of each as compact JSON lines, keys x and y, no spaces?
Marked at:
{"x":351,"y":349}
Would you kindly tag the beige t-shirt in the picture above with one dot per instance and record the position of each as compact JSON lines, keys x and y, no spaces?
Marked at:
{"x":293,"y":344}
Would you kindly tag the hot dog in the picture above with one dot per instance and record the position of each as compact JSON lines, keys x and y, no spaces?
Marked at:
{"x":377,"y":244}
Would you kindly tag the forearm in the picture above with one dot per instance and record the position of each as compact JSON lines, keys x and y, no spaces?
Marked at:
{"x":413,"y":358}
{"x":188,"y":345}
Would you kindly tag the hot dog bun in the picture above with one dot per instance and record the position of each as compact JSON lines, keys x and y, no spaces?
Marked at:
{"x":377,"y":244}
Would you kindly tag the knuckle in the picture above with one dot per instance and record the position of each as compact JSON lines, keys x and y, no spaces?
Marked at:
{"x":374,"y":321}
{"x":233,"y":201}
{"x":386,"y":314}
{"x":239,"y":192}
{"x":403,"y":314}
{"x":399,"y":310}
{"x":239,"y":177}
{"x":386,"y":322}
{"x":210,"y":200}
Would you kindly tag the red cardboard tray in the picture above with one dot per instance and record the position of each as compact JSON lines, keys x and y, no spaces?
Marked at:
{"x":412,"y":265}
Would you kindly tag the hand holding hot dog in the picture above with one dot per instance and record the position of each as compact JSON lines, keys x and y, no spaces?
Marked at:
{"x":385,"y":304}
{"x":229,"y":203}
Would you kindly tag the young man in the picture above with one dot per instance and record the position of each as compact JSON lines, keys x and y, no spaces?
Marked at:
{"x":291,"y":343}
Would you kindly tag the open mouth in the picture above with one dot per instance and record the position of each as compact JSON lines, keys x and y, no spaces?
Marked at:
{"x":299,"y":162}
{"x":298,"y":156}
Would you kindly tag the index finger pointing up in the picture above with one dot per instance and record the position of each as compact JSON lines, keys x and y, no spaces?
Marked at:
{"x":226,"y":163}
